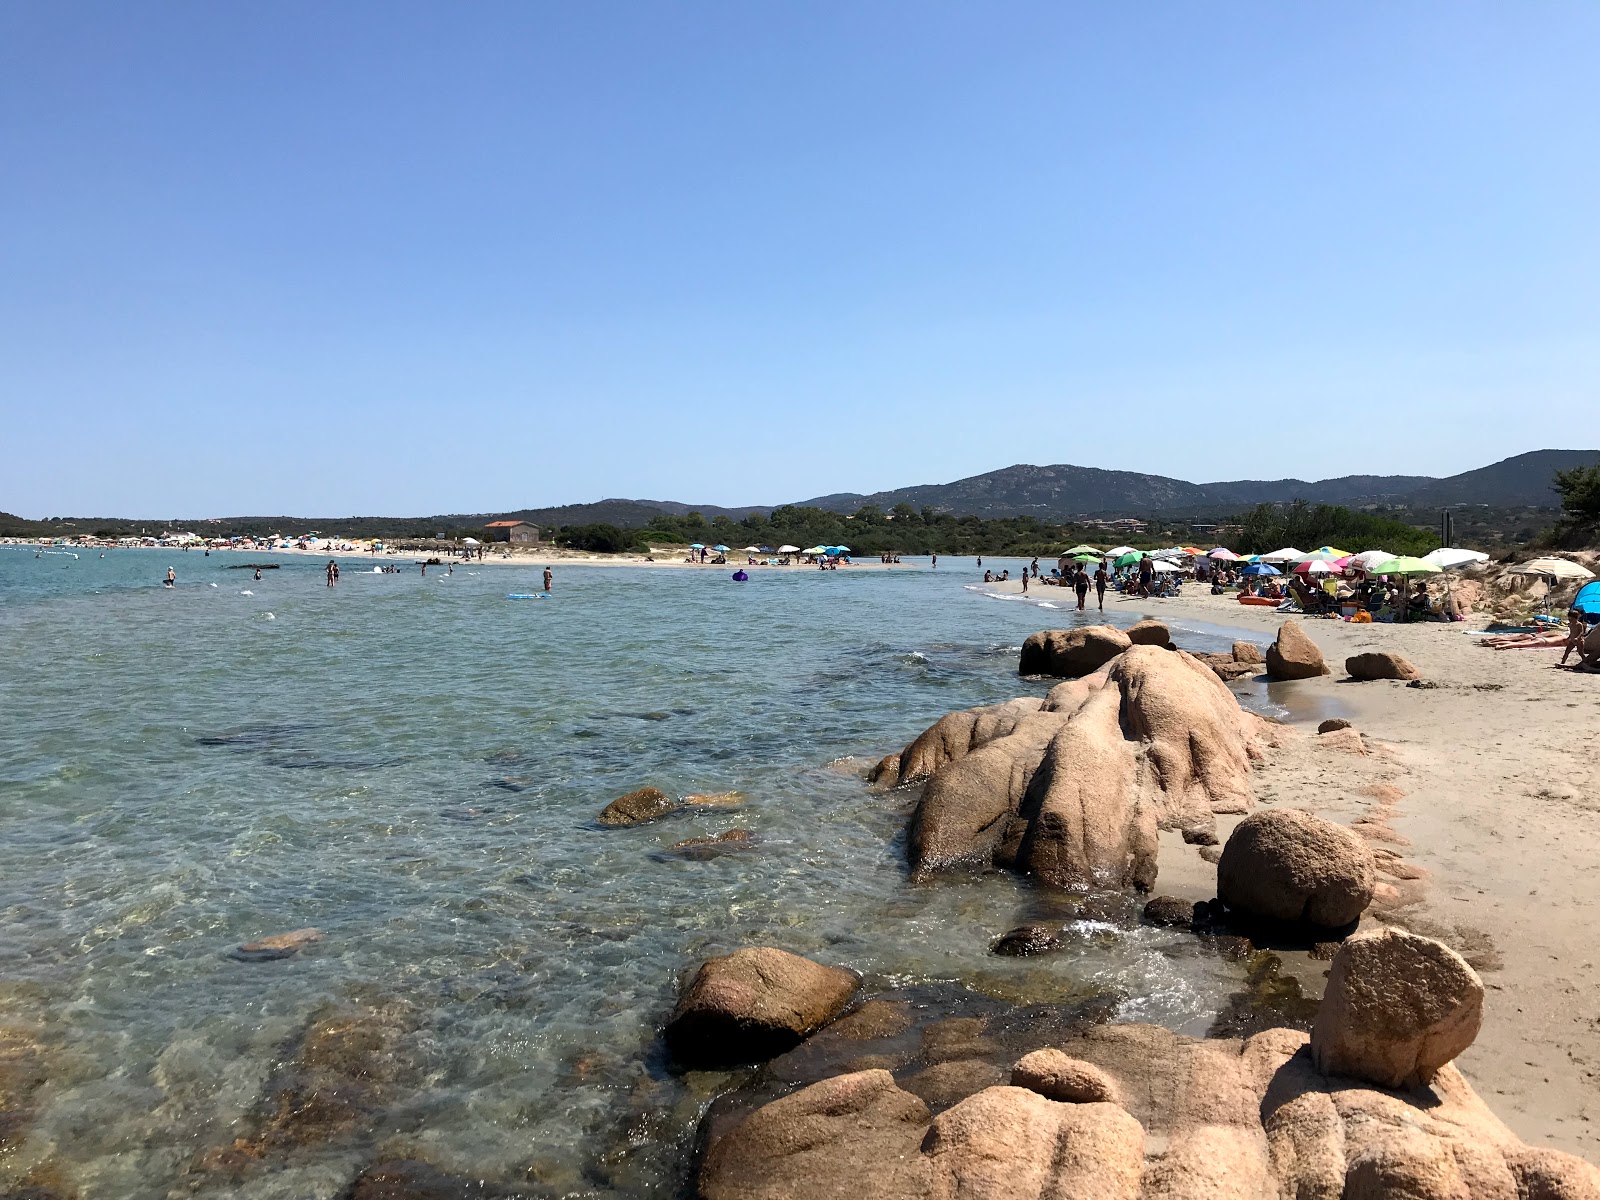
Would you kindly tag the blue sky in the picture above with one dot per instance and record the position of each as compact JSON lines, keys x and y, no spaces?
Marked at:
{"x":401,"y":258}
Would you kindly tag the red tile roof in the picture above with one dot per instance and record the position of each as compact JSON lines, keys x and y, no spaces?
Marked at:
{"x":503,"y":524}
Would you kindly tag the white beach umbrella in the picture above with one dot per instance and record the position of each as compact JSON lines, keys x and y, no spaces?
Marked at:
{"x":1368,"y":559}
{"x":1163,"y":565}
{"x":1555,"y":568}
{"x":471,"y":542}
{"x":1449,"y":559}
{"x":1287,"y":554}
{"x":752,"y":550}
{"x":788,"y":549}
{"x":1119,"y":551}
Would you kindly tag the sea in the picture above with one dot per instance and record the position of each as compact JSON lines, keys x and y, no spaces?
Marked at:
{"x":413,"y":765}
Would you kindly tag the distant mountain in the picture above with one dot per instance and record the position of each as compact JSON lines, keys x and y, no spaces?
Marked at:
{"x":1062,"y":491}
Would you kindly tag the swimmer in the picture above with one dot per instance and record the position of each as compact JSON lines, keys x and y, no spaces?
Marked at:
{"x":549,"y":579}
{"x":258,"y":572}
{"x":172,"y":578}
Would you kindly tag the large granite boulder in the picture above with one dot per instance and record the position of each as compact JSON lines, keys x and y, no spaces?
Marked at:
{"x":954,"y":736}
{"x":1397,"y":1008}
{"x":637,"y":807}
{"x":1293,"y":655}
{"x":1150,"y":633}
{"x":1248,"y":652}
{"x":966,"y":808}
{"x":1289,"y":865}
{"x":1088,"y":824}
{"x":1380,"y":664}
{"x":753,"y":1004}
{"x":1069,"y":653}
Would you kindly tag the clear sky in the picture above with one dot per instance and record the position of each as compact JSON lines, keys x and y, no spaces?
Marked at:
{"x":342,"y":258}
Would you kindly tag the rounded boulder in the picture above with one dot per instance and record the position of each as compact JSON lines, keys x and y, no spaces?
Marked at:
{"x":1150,"y":633}
{"x":637,"y":807}
{"x":1398,"y":1006}
{"x":1289,"y":865}
{"x":1293,"y":655}
{"x":1380,"y":664}
{"x":1070,"y":653}
{"x":754,"y":1004}
{"x":1058,"y":1076}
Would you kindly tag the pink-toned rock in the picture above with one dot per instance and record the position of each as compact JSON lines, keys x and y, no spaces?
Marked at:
{"x":1380,"y":664}
{"x":1397,"y":1008}
{"x":753,"y":1004}
{"x":1291,"y":865}
{"x":278,"y":945}
{"x":1294,"y":655}
{"x":1058,"y":1076}
{"x":1069,"y":653}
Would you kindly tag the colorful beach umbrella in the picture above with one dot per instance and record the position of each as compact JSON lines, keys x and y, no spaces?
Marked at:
{"x":1222,"y":554}
{"x":1260,"y":568}
{"x":1313,"y":566}
{"x":1404,"y":565}
{"x":1368,"y":559}
{"x":814,"y":550}
{"x":1076,"y":550}
{"x":1128,"y":559}
{"x":1325,"y":554}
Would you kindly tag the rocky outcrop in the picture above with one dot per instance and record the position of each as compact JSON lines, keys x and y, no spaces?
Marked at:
{"x":276,"y":946}
{"x":1074,"y":792}
{"x":1289,"y":865}
{"x":1058,"y":1076}
{"x":950,"y":738}
{"x":1150,"y":633}
{"x":637,"y":807}
{"x":1380,"y":664}
{"x":753,"y":1004}
{"x":1398,"y":1007}
{"x":1168,"y":912}
{"x":714,"y":799}
{"x":412,"y":1179}
{"x":967,"y":807}
{"x":1088,"y":822}
{"x":1221,"y":1118}
{"x":701,"y":849}
{"x":1069,"y":653}
{"x":1293,"y":655}
{"x":1334,"y":724}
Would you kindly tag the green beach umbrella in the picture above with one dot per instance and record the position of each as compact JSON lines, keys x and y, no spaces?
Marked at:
{"x":1086,"y":558}
{"x":1404,"y":565}
{"x":1127,"y":560}
{"x":1077,"y":550}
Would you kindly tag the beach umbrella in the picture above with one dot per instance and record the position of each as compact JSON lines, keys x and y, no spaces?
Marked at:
{"x":842,"y":549}
{"x":1286,"y":555}
{"x":1449,"y":559}
{"x":1223,"y":554}
{"x":724,"y":549}
{"x":1192,"y":551}
{"x":1368,"y":559}
{"x":1164,"y":566}
{"x":1128,"y":559}
{"x":1077,"y":550}
{"x":470,"y":542}
{"x":1260,"y":568}
{"x":697,"y":545}
{"x":814,"y":550}
{"x":1325,"y":554}
{"x":1313,"y":566}
{"x":788,"y":549}
{"x":1404,"y":565}
{"x":752,"y":550}
{"x":1119,"y":551}
{"x":1588,"y":598}
{"x":1086,"y":558}
{"x":1555,"y":568}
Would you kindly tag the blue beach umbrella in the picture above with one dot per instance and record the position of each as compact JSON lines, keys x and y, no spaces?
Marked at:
{"x":697,"y":545}
{"x":1260,"y":568}
{"x":1588,"y":598}
{"x":724,"y":549}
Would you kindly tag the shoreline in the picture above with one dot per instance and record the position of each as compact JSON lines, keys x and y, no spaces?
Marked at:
{"x":1499,"y":763}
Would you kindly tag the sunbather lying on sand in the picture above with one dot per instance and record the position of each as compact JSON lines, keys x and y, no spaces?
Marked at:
{"x":1526,"y":641}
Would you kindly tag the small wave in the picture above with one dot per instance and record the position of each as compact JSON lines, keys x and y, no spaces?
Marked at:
{"x":241,"y":593}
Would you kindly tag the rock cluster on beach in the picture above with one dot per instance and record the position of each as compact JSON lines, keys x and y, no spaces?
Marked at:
{"x":1073,"y":789}
{"x":1365,"y":1106}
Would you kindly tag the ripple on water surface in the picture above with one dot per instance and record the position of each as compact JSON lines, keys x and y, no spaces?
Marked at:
{"x":413,"y":767}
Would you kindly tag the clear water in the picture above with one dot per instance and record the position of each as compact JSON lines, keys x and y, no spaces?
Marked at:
{"x":413,"y":766}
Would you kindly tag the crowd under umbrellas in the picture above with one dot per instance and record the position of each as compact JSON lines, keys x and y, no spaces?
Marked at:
{"x":1363,"y":586}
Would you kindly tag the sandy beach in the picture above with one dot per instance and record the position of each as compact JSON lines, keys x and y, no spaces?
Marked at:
{"x":1486,"y":784}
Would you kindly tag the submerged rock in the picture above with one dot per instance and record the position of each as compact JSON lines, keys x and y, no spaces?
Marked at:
{"x":753,"y":1004}
{"x":1169,"y":912}
{"x":714,"y":799}
{"x":279,"y":945}
{"x":699,"y":849}
{"x":637,"y":807}
{"x":411,"y":1179}
{"x":1398,"y":1007}
{"x":1294,"y":655}
{"x":1027,"y":939}
{"x":1285,"y":864}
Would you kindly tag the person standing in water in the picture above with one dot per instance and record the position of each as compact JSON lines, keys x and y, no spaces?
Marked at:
{"x":329,"y":572}
{"x":1080,"y":582}
{"x":549,"y":579}
{"x":1100,"y":581}
{"x":172,"y":577}
{"x":258,"y":574}
{"x":935,"y":561}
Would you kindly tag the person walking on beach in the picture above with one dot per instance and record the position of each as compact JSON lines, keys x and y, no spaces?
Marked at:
{"x":1024,"y":583}
{"x":1100,"y":582}
{"x":549,"y":579}
{"x":1080,"y":584}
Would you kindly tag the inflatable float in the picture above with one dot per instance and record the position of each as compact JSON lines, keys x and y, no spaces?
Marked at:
{"x":1265,"y":600}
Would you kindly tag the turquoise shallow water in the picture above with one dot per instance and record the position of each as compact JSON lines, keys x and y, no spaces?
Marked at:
{"x":413,"y":766}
